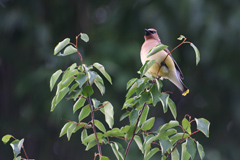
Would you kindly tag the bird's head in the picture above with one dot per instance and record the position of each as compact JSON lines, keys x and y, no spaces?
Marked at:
{"x":151,"y":33}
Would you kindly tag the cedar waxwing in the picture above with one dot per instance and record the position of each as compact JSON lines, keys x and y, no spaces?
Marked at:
{"x":167,"y":69}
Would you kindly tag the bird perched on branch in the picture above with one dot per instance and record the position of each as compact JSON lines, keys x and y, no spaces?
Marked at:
{"x":165,"y":66}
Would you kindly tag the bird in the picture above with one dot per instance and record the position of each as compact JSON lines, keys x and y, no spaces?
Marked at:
{"x":165,"y":66}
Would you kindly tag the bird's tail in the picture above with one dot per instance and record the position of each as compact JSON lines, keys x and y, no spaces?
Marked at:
{"x":185,"y":90}
{"x":180,"y":85}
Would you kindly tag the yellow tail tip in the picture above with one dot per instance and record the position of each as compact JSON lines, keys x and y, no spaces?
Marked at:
{"x":186,"y":92}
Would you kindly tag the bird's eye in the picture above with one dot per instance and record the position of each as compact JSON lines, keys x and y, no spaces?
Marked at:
{"x":152,"y":32}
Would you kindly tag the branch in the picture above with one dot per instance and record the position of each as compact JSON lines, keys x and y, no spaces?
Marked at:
{"x":79,"y":54}
{"x":25,"y":152}
{"x":129,"y":143}
{"x":93,"y":127}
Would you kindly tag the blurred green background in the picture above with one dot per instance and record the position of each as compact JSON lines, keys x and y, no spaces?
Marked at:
{"x":29,"y":31}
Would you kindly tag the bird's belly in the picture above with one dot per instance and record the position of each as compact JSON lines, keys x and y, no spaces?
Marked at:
{"x":158,"y":71}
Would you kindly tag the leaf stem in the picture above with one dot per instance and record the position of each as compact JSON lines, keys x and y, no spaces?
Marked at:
{"x":129,"y":143}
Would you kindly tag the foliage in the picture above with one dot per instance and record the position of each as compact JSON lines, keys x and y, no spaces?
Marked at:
{"x":76,"y":83}
{"x":16,"y":145}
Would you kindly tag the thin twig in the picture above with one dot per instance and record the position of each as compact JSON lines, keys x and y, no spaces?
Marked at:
{"x":25,"y":152}
{"x":129,"y":143}
{"x":184,"y":41}
{"x":79,"y":54}
{"x":93,"y":127}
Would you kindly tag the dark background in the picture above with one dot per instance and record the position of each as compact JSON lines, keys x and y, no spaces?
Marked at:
{"x":29,"y":31}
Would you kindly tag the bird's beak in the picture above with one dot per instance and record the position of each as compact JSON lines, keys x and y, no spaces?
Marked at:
{"x":147,"y":32}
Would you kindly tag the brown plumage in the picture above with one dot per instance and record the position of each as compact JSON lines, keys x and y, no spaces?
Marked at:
{"x":167,"y":69}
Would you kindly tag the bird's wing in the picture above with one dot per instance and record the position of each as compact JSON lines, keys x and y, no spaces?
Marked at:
{"x":176,"y":65}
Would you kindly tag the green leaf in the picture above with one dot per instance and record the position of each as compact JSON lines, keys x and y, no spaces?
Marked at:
{"x":185,"y":154}
{"x":181,"y":37}
{"x":92,"y":137}
{"x":84,"y":112}
{"x":100,"y":86}
{"x":67,"y":82}
{"x":146,"y":66}
{"x":164,"y":99}
{"x":80,"y":102}
{"x":133,"y":117}
{"x":68,"y":51}
{"x":171,"y":124}
{"x":81,"y":79}
{"x":77,"y":94}
{"x":104,"y":158}
{"x":118,"y":150}
{"x":203,"y":125}
{"x":87,"y":91}
{"x":148,"y":141}
{"x":155,"y":94}
{"x":115,"y":132}
{"x":73,"y":87}
{"x":16,"y":146}
{"x":156,"y":49}
{"x":138,"y":141}
{"x":159,"y":84}
{"x":59,"y":97}
{"x":92,"y":76}
{"x":61,"y":94}
{"x":164,"y":157}
{"x":95,"y":102}
{"x":79,"y":127}
{"x":151,"y":153}
{"x":130,"y":102}
{"x":126,"y":114}
{"x":200,"y":150}
{"x":196,"y":52}
{"x":17,"y":158}
{"x":130,"y":131}
{"x":186,"y":125}
{"x":6,"y":138}
{"x":172,"y":107}
{"x":70,"y":71}
{"x":74,"y":65}
{"x":54,"y":78}
{"x":191,"y":147}
{"x":147,"y":125}
{"x":165,"y":145}
{"x":131,"y":91}
{"x":144,"y":115}
{"x":99,"y":125}
{"x":175,"y":154}
{"x":61,"y":45}
{"x":130,"y":82}
{"x":102,"y":70}
{"x":70,"y":130}
{"x":124,"y":129}
{"x":84,"y":37}
{"x":165,"y":134}
{"x":108,"y":111}
{"x":83,"y":136}
{"x":177,"y":137}
{"x":91,"y":144}
{"x":64,"y":129}
{"x":139,"y":83}
{"x":145,"y":97}
{"x":99,"y":79}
